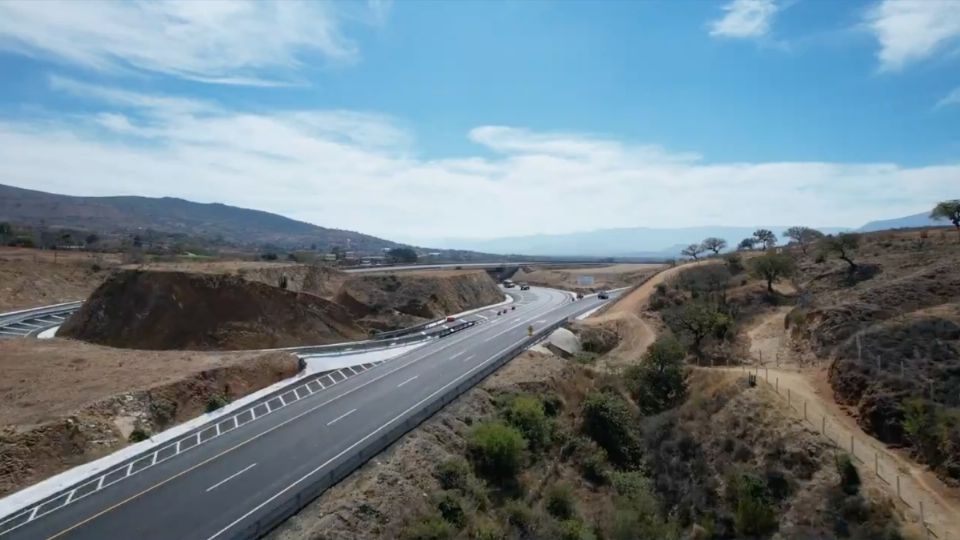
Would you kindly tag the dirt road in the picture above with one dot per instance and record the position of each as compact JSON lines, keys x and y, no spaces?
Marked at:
{"x":810,"y":396}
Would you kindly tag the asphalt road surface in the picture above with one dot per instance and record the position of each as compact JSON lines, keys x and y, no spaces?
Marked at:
{"x":221,"y":486}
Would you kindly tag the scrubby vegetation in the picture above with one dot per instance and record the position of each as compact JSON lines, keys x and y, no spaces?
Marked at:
{"x":884,"y":310}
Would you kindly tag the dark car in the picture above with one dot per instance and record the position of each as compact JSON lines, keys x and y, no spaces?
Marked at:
{"x":524,"y":287}
{"x":603,"y":295}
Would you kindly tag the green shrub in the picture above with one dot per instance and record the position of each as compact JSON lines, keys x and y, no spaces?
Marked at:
{"x":429,"y":528}
{"x":138,"y":434}
{"x":607,"y":419}
{"x":496,"y":450}
{"x":574,"y":529}
{"x":163,"y":411}
{"x":526,"y":413}
{"x":451,"y":508}
{"x":520,"y":516}
{"x":849,"y":477}
{"x":754,"y":514}
{"x":552,"y":403}
{"x":453,"y":473}
{"x":216,"y":401}
{"x":559,"y":501}
{"x":659,"y":381}
{"x":594,"y":466}
{"x":487,"y":529}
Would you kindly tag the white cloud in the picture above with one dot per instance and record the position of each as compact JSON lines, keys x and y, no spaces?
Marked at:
{"x":238,"y":42}
{"x":913,"y":30}
{"x":357,"y":171}
{"x":953,"y":98}
{"x":745,"y":19}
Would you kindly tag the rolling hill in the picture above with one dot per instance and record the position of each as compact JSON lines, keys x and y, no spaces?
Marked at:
{"x":130,"y":215}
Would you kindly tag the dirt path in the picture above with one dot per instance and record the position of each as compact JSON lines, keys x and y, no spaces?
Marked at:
{"x":902,"y":477}
{"x":627,"y":314}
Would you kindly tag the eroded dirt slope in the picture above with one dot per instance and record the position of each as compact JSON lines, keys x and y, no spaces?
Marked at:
{"x":30,"y":278}
{"x":178,"y":310}
{"x":64,"y":403}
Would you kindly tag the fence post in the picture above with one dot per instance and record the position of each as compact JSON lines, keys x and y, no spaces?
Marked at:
{"x":923,"y":521}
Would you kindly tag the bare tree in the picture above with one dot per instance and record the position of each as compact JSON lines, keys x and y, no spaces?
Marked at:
{"x":765,"y":237}
{"x":714,"y":244}
{"x":948,"y":210}
{"x":804,"y":236}
{"x":842,"y":245}
{"x":693,"y":250}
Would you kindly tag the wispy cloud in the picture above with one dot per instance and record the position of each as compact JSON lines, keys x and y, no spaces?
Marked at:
{"x":953,"y":98}
{"x":913,"y":30}
{"x":240,"y":42}
{"x":360,"y":171}
{"x":745,"y":19}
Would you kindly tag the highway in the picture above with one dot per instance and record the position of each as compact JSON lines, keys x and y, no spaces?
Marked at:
{"x":219,"y":488}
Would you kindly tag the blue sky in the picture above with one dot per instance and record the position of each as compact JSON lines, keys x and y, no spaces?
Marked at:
{"x":422,"y":120}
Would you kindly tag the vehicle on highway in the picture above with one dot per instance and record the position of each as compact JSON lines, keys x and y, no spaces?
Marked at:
{"x":603,"y":295}
{"x":524,"y":287}
{"x":579,"y":296}
{"x":509,"y":284}
{"x":451,"y":319}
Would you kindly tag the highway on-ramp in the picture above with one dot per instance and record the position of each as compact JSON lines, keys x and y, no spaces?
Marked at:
{"x":220,"y":488}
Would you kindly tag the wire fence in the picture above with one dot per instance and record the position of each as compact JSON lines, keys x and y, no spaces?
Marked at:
{"x":876,"y":460}
{"x":283,"y":508}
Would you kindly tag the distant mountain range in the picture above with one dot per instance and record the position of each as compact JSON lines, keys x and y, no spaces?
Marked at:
{"x":650,"y":242}
{"x":129,"y":215}
{"x":230,"y":225}
{"x":906,"y":222}
{"x":627,"y":242}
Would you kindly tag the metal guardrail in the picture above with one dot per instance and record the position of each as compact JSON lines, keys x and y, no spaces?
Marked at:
{"x":306,"y":494}
{"x":375,"y":344}
{"x":24,"y":323}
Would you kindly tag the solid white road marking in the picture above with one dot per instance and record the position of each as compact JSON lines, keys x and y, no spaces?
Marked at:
{"x":406,"y":381}
{"x":482,"y":317}
{"x":458,"y":354}
{"x":471,"y":357}
{"x":341,"y":417}
{"x":231,"y":477}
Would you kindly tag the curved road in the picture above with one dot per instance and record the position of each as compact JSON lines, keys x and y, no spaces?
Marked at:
{"x":219,"y":488}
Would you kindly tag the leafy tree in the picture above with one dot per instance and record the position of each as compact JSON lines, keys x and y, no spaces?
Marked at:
{"x":496,"y":450}
{"x":714,"y":244}
{"x":607,"y":419}
{"x":948,"y":210}
{"x":560,"y":501}
{"x":402,"y":255}
{"x":91,"y":239}
{"x":842,"y":245}
{"x":659,"y":382}
{"x":804,"y":236}
{"x":747,"y":244}
{"x":693,"y":250}
{"x":771,"y":267}
{"x":698,"y":320}
{"x":765,"y":237}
